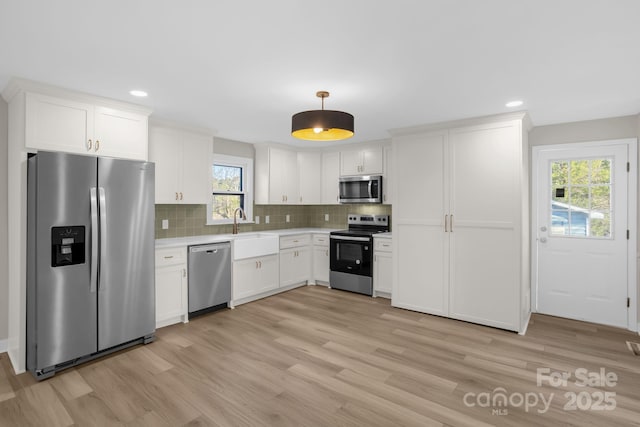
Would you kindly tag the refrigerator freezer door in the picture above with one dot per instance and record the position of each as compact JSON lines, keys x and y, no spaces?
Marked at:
{"x":61,"y":307}
{"x":126,"y":286}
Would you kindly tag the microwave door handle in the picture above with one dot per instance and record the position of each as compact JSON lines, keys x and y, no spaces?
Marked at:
{"x":369,"y":187}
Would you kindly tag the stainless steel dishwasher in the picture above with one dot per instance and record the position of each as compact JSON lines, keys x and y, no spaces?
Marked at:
{"x":209,"y":277}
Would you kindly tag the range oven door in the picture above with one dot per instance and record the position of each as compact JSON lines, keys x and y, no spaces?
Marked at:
{"x":351,"y":254}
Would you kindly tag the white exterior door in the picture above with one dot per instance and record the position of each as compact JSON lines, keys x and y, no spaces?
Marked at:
{"x":582,"y":266}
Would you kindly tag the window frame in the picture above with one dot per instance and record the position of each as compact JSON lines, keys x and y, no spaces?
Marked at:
{"x":246,"y":164}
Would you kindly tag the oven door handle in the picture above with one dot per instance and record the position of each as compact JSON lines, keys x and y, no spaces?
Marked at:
{"x":352,"y":238}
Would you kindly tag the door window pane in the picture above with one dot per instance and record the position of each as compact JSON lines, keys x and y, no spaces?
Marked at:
{"x":581,"y":198}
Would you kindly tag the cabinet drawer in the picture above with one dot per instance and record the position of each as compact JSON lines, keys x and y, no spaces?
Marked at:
{"x":171,"y":256}
{"x":382,"y":245}
{"x":295,"y":241}
{"x":321,"y":240}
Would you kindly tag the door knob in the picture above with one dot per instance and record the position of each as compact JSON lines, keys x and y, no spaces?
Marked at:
{"x":543,"y":228}
{"x":543,"y":240}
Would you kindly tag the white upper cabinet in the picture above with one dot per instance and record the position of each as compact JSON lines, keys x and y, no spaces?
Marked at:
{"x":183,"y":165}
{"x":276,"y":179}
{"x":330,"y":177}
{"x":120,"y":133}
{"x":70,"y":125}
{"x":367,"y":161}
{"x":309,"y":177}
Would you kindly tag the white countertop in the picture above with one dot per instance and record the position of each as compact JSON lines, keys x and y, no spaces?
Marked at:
{"x":172,"y":242}
{"x":386,"y":235}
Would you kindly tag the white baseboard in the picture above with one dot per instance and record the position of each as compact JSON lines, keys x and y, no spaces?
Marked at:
{"x":526,"y":325}
{"x":4,"y":346}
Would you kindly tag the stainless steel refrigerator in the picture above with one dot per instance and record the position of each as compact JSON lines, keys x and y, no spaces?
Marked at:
{"x":90,"y":258}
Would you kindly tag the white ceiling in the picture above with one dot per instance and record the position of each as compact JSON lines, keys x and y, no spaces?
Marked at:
{"x":242,"y":68}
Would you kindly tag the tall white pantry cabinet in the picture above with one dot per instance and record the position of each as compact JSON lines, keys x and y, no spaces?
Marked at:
{"x":460,"y":221}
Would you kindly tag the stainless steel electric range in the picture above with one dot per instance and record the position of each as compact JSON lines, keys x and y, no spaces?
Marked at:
{"x":351,"y":253}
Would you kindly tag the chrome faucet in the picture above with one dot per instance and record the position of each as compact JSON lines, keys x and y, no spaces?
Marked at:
{"x":235,"y":219}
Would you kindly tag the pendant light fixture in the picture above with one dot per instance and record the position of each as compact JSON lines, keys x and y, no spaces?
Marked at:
{"x":322,"y":125}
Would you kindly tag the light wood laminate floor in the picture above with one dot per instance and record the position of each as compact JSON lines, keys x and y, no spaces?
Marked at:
{"x":320,"y":357}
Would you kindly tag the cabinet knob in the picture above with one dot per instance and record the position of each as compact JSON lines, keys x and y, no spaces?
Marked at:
{"x":89,"y":145}
{"x":176,"y":195}
{"x":97,"y":145}
{"x":181,"y":195}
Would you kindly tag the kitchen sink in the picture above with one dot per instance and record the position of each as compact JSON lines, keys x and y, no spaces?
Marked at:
{"x":249,"y":245}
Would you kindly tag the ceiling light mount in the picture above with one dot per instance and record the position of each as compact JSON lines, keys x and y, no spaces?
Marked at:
{"x":322,"y":125}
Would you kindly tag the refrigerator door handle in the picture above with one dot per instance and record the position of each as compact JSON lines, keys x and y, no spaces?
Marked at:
{"x":103,"y":234}
{"x":94,"y":241}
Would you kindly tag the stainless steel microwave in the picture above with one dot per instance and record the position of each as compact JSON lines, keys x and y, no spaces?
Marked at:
{"x":361,"y":189}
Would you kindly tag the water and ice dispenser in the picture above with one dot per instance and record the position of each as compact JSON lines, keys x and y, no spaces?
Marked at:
{"x":67,"y":245}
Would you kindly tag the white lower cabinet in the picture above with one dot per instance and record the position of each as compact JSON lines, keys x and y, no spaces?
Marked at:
{"x":254,"y":276}
{"x":171,"y":286}
{"x":295,"y":259}
{"x":382,"y":267}
{"x":295,"y":266}
{"x":321,"y":258}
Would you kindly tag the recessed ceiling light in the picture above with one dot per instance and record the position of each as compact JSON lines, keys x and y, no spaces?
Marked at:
{"x":138,"y":93}
{"x":513,"y":104}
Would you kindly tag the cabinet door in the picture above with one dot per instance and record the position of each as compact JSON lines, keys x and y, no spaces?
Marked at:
{"x":321,"y":263}
{"x":350,"y":162}
{"x":170,"y":295}
{"x":121,"y":134}
{"x":382,"y":273}
{"x":330,"y":178}
{"x":295,"y":265}
{"x":484,"y":282}
{"x":196,"y":183}
{"x":58,"y":124}
{"x":372,"y":161}
{"x":166,"y":152}
{"x":268,"y":273}
{"x":287,"y":267}
{"x":283,"y":176}
{"x":420,"y":244}
{"x":244,"y":278}
{"x":254,"y":276}
{"x":309,"y":177}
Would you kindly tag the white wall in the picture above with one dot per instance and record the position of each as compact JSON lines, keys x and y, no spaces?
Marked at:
{"x":233,"y":148}
{"x":4,"y":285}
{"x":591,"y":130}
